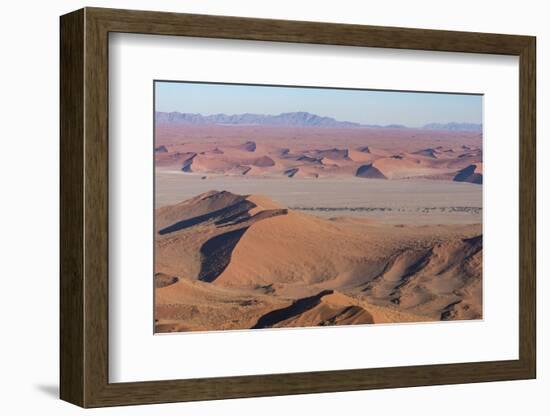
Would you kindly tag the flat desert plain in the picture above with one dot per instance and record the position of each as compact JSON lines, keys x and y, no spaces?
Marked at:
{"x":264,"y":227}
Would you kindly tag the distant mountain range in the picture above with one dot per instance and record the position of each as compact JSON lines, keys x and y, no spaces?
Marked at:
{"x":453,"y":126}
{"x":297,"y":119}
{"x":294,"y":119}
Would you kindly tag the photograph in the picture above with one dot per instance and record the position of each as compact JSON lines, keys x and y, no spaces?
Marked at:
{"x":298,"y":206}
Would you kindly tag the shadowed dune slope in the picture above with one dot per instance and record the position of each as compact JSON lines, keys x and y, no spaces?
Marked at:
{"x":369,"y":171}
{"x":472,"y":174}
{"x":216,"y":254}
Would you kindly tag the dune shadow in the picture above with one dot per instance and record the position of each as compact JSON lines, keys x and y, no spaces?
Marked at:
{"x":238,"y":209}
{"x":235,"y":220}
{"x":475,"y":242}
{"x":163,"y":280}
{"x":369,"y":171}
{"x":296,"y":308}
{"x":415,"y":268}
{"x":469,"y":174}
{"x":216,"y":254}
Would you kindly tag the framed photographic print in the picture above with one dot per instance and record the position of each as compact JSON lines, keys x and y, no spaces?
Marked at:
{"x":255,"y":207}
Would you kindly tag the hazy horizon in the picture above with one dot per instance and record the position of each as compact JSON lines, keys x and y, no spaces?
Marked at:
{"x":374,"y":107}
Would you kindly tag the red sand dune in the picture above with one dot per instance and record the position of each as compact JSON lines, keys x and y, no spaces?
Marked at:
{"x":316,"y":152}
{"x":228,"y":261}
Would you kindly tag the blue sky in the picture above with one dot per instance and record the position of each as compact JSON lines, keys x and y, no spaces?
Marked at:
{"x":412,"y":109}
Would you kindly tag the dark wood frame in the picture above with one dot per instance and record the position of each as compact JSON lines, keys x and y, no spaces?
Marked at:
{"x":84,"y":207}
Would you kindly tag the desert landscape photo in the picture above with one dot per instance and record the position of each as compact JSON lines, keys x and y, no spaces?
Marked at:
{"x":280,"y":207}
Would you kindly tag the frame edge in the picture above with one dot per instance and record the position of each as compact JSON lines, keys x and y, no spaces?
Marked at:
{"x":71,"y":290}
{"x":528,"y":208}
{"x":84,"y":134}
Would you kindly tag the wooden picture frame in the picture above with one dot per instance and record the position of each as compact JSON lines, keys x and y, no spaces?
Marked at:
{"x":84,"y":207}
